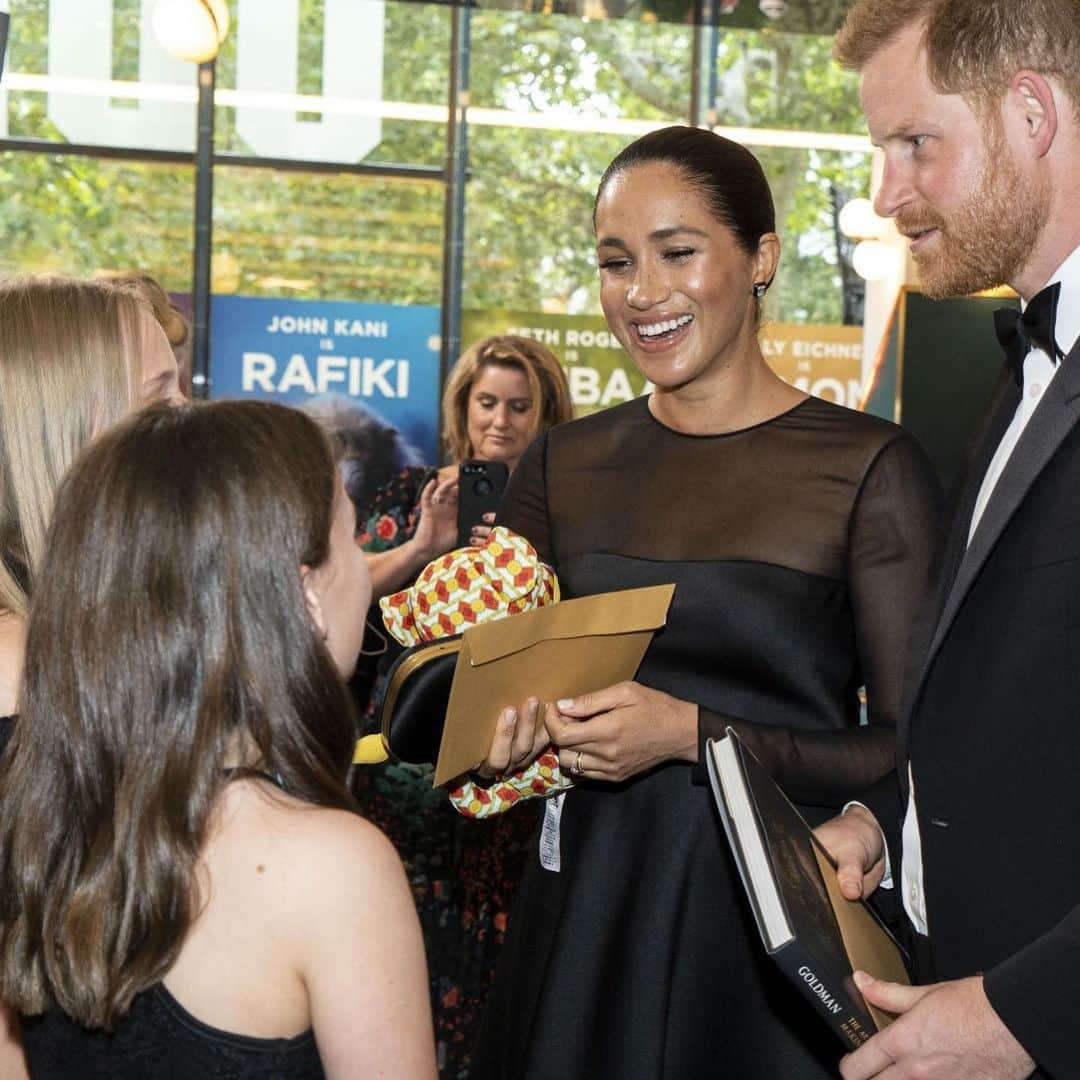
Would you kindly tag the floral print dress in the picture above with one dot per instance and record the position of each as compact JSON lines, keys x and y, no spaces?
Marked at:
{"x":463,"y":873}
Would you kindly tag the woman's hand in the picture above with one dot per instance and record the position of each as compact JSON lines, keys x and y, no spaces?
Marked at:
{"x":478,"y":535}
{"x":621,"y":731}
{"x":517,"y":743}
{"x":436,"y":529}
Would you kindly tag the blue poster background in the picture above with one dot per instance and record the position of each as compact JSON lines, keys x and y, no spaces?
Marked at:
{"x":381,"y":357}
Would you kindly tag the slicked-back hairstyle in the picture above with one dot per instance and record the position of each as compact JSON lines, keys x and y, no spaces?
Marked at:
{"x":729,"y":177}
{"x":68,"y":368}
{"x":168,"y":631}
{"x":541,"y":367}
{"x":973,"y":48}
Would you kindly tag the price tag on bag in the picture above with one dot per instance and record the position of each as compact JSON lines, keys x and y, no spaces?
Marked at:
{"x":549,"y":834}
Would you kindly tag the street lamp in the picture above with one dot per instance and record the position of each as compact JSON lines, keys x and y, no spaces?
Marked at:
{"x":191,"y":29}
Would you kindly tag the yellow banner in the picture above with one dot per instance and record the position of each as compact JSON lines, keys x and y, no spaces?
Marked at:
{"x":825,"y":361}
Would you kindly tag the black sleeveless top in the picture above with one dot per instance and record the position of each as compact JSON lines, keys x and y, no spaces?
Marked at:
{"x":160,"y":1039}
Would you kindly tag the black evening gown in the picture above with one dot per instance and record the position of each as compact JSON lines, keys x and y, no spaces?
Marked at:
{"x":799,"y":548}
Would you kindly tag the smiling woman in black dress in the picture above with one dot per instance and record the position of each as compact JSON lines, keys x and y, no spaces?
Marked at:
{"x":798,"y":534}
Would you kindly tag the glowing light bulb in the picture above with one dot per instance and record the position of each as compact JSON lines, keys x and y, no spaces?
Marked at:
{"x":859,"y":221}
{"x":874,"y":260}
{"x":191,"y":29}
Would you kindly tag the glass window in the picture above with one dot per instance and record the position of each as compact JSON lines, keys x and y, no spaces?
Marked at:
{"x":320,"y":236}
{"x":545,"y":93}
{"x":76,"y":214}
{"x":349,"y":82}
{"x":90,"y":72}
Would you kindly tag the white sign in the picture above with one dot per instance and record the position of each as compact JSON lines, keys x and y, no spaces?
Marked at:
{"x":162,"y":116}
{"x":266,"y":59}
{"x":80,"y":46}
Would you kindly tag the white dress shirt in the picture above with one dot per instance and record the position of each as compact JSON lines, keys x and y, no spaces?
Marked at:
{"x":1039,"y":369}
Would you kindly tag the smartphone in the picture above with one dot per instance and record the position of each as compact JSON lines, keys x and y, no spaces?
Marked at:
{"x":480,"y":489}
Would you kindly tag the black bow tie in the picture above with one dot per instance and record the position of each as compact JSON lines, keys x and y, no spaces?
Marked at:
{"x":1033,"y":329}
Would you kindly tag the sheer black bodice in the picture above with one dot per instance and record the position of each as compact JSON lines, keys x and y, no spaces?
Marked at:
{"x":824,"y":521}
{"x":798,"y":549}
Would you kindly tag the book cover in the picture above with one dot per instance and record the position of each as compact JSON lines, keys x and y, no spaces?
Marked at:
{"x":816,"y":935}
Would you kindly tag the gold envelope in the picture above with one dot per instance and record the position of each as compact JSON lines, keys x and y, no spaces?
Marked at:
{"x":552,"y":653}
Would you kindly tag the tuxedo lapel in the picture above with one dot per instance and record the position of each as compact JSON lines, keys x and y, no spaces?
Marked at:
{"x":1005,"y":399}
{"x":996,"y":421}
{"x":1055,"y":417}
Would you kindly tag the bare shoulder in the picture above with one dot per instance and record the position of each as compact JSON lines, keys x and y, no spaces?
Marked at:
{"x":339,"y":845}
{"x":326,"y":853}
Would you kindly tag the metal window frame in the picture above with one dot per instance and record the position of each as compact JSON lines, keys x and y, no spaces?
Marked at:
{"x":453,"y":174}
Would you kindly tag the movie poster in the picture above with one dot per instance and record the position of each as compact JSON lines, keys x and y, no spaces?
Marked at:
{"x":368,"y":372}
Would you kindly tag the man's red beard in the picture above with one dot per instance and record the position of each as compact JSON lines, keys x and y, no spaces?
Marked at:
{"x":986,"y":240}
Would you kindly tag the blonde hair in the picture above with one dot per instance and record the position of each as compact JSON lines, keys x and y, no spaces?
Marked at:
{"x":973,"y":48}
{"x":68,"y":368}
{"x":547,"y":386}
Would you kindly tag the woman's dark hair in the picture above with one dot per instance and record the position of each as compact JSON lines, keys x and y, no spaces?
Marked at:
{"x":728,"y":176}
{"x":168,"y":629}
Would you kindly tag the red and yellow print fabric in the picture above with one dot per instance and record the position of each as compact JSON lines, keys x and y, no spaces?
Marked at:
{"x":459,"y":590}
{"x":470,"y":586}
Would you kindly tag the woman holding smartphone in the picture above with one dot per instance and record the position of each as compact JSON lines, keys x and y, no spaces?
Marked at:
{"x":798,"y":534}
{"x":501,"y":393}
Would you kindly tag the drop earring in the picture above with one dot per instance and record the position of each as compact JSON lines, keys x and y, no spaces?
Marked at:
{"x":760,"y":289}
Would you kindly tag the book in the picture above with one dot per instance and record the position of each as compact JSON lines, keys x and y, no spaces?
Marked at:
{"x":814,"y":933}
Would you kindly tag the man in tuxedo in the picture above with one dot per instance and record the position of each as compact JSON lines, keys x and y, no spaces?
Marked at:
{"x":976,"y":107}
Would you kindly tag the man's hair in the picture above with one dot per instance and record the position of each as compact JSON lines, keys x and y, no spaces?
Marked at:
{"x":69,"y":361}
{"x":973,"y":47}
{"x":168,"y":631}
{"x":547,"y":385}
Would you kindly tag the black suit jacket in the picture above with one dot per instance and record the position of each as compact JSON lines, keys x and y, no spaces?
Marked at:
{"x":992,"y":732}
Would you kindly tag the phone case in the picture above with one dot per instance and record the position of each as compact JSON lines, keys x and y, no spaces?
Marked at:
{"x":480,"y":490}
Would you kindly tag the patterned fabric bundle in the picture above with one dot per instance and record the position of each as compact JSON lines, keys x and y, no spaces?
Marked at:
{"x":470,"y":586}
{"x":459,"y":590}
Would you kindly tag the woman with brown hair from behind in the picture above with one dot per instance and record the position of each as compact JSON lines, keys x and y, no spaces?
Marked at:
{"x":184,"y":886}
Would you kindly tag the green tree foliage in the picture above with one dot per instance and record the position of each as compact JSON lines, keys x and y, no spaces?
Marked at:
{"x":529,"y":196}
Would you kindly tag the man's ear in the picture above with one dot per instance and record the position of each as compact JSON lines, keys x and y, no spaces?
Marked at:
{"x":1031,"y":105}
{"x":313,"y":601}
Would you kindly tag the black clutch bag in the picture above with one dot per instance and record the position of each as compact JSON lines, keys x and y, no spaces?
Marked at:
{"x":417,"y":692}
